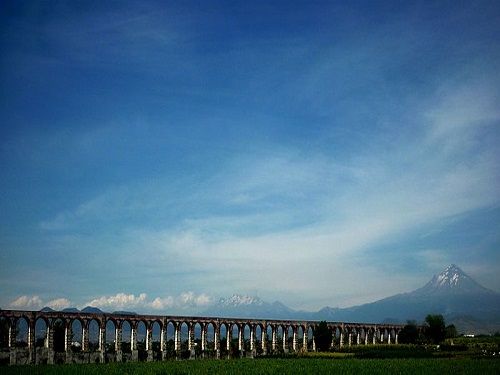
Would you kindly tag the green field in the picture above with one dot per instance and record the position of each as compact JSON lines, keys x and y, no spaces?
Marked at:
{"x":277,"y":366}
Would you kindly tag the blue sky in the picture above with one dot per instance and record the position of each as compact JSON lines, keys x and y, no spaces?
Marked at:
{"x":157,"y":156}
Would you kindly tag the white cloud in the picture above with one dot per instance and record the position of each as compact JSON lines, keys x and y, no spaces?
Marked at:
{"x":119,"y":301}
{"x":59,"y":303}
{"x":26,"y":302}
{"x":184,"y":301}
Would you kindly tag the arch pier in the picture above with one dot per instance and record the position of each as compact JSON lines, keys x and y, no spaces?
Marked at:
{"x":33,"y":337}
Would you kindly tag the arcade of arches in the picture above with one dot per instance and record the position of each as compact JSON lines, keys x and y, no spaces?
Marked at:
{"x":32,"y":337}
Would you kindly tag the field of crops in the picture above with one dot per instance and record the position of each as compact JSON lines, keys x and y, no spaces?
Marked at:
{"x":277,"y":366}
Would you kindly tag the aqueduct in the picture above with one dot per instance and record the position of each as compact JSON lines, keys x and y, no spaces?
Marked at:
{"x":33,"y":337}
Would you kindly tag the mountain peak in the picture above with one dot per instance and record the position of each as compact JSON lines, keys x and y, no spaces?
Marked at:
{"x":239,"y":300}
{"x":452,"y":280}
{"x":451,"y":277}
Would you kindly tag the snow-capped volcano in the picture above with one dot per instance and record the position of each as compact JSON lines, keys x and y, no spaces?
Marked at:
{"x":240,"y":300}
{"x":247,"y":306}
{"x":452,"y":280}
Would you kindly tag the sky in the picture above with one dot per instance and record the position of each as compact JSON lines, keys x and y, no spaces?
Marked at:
{"x":157,"y":156}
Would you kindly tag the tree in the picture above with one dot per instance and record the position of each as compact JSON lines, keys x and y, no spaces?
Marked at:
{"x":322,"y":336}
{"x":409,"y":334}
{"x":451,"y":331}
{"x":59,"y":329}
{"x":435,"y":330}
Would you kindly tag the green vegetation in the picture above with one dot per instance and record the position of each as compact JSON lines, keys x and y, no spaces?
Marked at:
{"x":435,"y":329}
{"x":322,"y":337}
{"x":276,"y":366}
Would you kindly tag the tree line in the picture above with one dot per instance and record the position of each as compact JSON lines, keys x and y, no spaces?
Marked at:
{"x":434,"y":332}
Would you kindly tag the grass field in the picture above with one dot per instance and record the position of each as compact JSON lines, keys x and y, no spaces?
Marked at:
{"x":277,"y":366}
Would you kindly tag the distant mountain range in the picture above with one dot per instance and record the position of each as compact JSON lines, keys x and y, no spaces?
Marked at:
{"x":452,"y":293}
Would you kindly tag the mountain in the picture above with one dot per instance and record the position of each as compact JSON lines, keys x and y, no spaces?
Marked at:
{"x":92,"y":310}
{"x":248,"y":307}
{"x":452,"y":293}
{"x":452,"y":281}
{"x":47,"y":309}
{"x":70,"y":309}
{"x":122,"y":312}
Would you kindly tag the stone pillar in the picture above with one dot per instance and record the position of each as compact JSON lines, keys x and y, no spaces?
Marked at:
{"x":217,"y":340}
{"x":273,"y":338}
{"x":102,"y":341}
{"x":349,"y":340}
{"x":358,"y":337}
{"x":294,"y":339}
{"x":49,"y":344}
{"x":374,"y":339}
{"x":191,"y":342}
{"x":285,"y":339}
{"x":12,"y":335}
{"x":118,"y":343}
{"x":366,"y":336}
{"x":313,"y":343}
{"x":149,"y":342}
{"x":85,"y":337}
{"x":252,"y":340}
{"x":133,"y":342}
{"x":177,"y":338}
{"x":389,"y":337}
{"x":241,"y":347}
{"x":12,"y":343}
{"x":68,"y":335}
{"x":229,"y":336}
{"x":396,"y":338}
{"x":31,"y":341}
{"x":204,"y":346}
{"x":305,"y":340}
{"x":332,"y":338}
{"x":263,"y":339}
{"x":341,"y":338}
{"x":163,"y":341}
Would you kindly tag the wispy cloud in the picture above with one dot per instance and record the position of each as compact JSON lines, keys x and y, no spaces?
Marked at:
{"x":303,"y":222}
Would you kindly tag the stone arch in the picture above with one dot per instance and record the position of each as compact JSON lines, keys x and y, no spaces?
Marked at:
{"x":141,"y":329}
{"x":21,"y":327}
{"x":41,"y":325}
{"x":126,"y":328}
{"x":234,"y":333}
{"x":184,"y":333}
{"x":170,"y":338}
{"x":210,"y":348}
{"x":245,"y":329}
{"x":156,"y":327}
{"x":258,"y":332}
{"x":280,"y":337}
{"x":300,"y":338}
{"x":75,"y":327}
{"x":110,"y":340}
{"x":196,"y":335}
{"x":58,"y":327}
{"x":93,"y":326}
{"x":224,"y":331}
